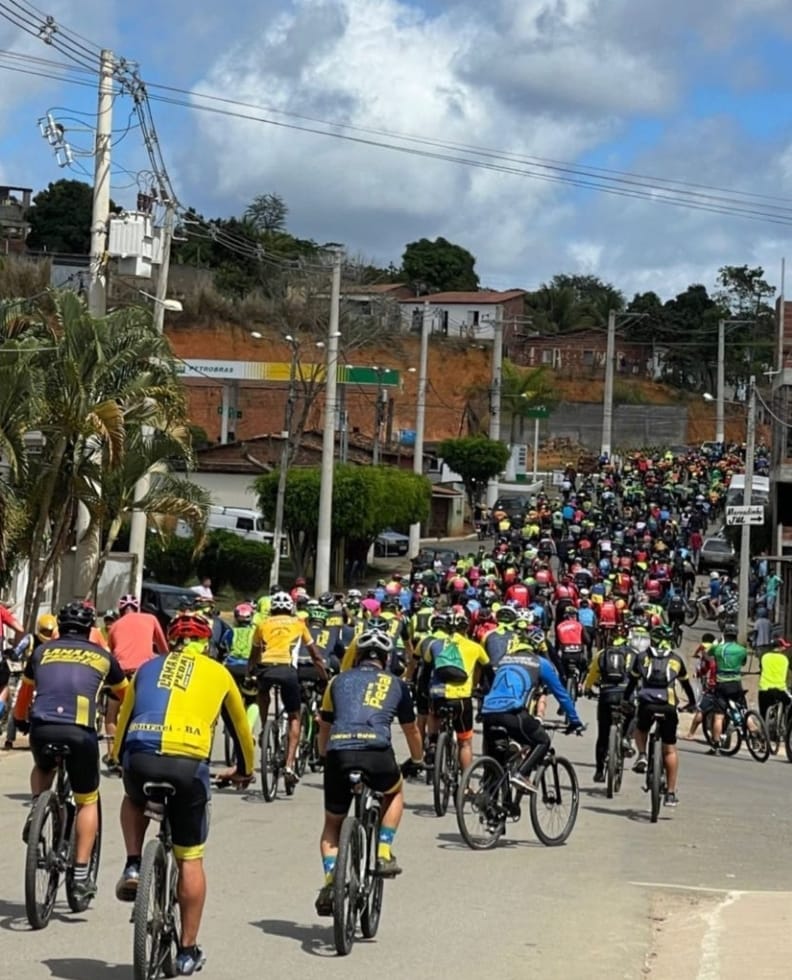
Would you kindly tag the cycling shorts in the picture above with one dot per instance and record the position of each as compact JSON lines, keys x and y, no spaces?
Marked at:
{"x":379,"y":765}
{"x":462,"y":717}
{"x":187,"y":808}
{"x":668,"y":723}
{"x":287,"y":679}
{"x":726,"y":691}
{"x":82,"y":761}
{"x":5,"y":674}
{"x":520,"y":727}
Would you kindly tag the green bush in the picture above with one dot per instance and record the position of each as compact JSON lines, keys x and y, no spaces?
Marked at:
{"x":171,"y":560}
{"x":231,"y":560}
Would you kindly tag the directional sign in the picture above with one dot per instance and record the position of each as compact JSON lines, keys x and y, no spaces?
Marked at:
{"x":537,"y":412}
{"x":745,"y":514}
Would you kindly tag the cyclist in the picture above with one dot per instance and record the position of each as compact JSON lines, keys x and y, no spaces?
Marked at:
{"x":276,"y":647}
{"x":455,"y":663}
{"x":66,"y":674}
{"x":657,"y":670}
{"x":165,"y":732}
{"x":241,"y":642}
{"x":221,"y":631}
{"x":570,"y":643}
{"x":46,"y":629}
{"x":774,"y":677}
{"x":357,"y":711}
{"x":327,"y":639}
{"x":7,"y":618}
{"x":133,"y":639}
{"x":706,"y":672}
{"x":610,"y":670}
{"x":730,"y":657}
{"x":506,"y":706}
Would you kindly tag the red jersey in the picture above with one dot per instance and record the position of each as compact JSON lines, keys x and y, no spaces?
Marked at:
{"x":569,"y":634}
{"x":519,"y":593}
{"x":608,"y":614}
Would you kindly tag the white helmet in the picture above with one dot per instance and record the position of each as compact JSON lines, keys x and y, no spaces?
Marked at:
{"x":281,"y":602}
{"x":714,"y":575}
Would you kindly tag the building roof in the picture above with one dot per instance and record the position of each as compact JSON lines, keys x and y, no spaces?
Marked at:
{"x":368,"y":289}
{"x":484,"y":297}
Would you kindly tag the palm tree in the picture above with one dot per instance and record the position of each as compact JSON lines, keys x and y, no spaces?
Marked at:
{"x":521,"y":391}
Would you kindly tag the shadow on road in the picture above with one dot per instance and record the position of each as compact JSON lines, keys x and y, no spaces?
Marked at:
{"x":640,"y":816}
{"x":84,"y":969}
{"x":454,"y":842}
{"x":14,"y":919}
{"x":315,"y":940}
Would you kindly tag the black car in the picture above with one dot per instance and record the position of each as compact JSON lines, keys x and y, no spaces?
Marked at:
{"x":164,"y":601}
{"x":426,"y":558}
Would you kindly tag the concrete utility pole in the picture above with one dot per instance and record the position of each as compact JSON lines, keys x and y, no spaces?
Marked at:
{"x":325,"y":523}
{"x":420,"y":418}
{"x":607,"y":403}
{"x":745,"y":530}
{"x":720,"y":433}
{"x":97,"y":285}
{"x":495,"y":397}
{"x":280,"y":500}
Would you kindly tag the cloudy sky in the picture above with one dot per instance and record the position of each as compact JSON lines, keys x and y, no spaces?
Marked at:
{"x":690,"y":91}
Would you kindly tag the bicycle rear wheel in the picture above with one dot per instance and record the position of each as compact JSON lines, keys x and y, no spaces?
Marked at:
{"x":304,"y":744}
{"x":774,"y":723}
{"x":554,"y":805}
{"x":42,"y":873}
{"x":480,"y":813}
{"x":656,"y":776}
{"x":755,"y":735}
{"x":346,"y":885}
{"x":228,"y":747}
{"x":151,"y":950}
{"x":441,"y":775}
{"x":81,"y":904}
{"x":572,"y":688}
{"x":269,"y":760}
{"x":373,"y":884}
{"x":615,"y":762}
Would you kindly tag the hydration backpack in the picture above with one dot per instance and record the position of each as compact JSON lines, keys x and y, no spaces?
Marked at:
{"x":448,"y":663}
{"x":661,"y":671}
{"x":613,"y":665}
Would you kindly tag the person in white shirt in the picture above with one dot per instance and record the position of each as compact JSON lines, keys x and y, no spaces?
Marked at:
{"x":204,"y":590}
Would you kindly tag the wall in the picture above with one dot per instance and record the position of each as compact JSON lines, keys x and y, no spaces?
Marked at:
{"x":634,"y":426}
{"x":227,"y":489}
{"x":117,"y":579}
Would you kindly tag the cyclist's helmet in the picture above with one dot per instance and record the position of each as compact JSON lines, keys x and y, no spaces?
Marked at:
{"x":570,"y":613}
{"x":317,"y":615}
{"x":204,"y":606}
{"x":277,"y":587}
{"x":327,"y":600}
{"x":442,"y":621}
{"x":506,"y":615}
{"x":730,"y":631}
{"x":374,"y":644}
{"x":376,"y":623}
{"x":714,"y":575}
{"x":427,"y":602}
{"x":128,"y":602}
{"x":525,"y":620}
{"x":110,"y":616}
{"x":243,"y":614}
{"x":189,"y":626}
{"x":46,"y":627}
{"x":391,"y":602}
{"x":281,"y":604}
{"x":76,"y":618}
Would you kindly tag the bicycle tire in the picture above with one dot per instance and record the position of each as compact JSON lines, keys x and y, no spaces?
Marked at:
{"x":691,"y":614}
{"x":148,"y":914}
{"x":346,"y":886}
{"x":373,"y":885}
{"x":572,"y":688}
{"x":304,"y":743}
{"x":479,"y":804}
{"x":81,"y":904}
{"x":441,"y":777}
{"x":731,"y":739}
{"x":788,"y":735}
{"x":551,"y":791}
{"x":774,"y":724}
{"x":613,"y":780}
{"x":228,"y":747}
{"x":269,"y":760}
{"x":655,"y":778}
{"x":756,"y":738}
{"x":38,"y":859}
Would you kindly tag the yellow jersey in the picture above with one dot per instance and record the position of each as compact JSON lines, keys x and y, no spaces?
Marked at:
{"x":281,"y":638}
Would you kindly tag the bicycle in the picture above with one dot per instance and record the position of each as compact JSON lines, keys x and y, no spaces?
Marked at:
{"x":357,"y":887}
{"x":252,"y":712}
{"x":655,"y":782}
{"x":574,"y":675}
{"x":614,"y":764}
{"x":273,"y":741}
{"x":445,"y":774}
{"x":486,"y":798}
{"x":50,"y":846}
{"x":778,"y":722}
{"x":308,"y":746}
{"x":740,"y":724}
{"x":155,"y":917}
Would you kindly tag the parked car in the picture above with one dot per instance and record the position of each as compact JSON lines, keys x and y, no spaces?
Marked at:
{"x":718,"y":553}
{"x":164,"y":601}
{"x":390,"y":543}
{"x":426,"y":558}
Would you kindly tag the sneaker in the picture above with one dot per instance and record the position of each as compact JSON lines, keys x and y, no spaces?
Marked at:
{"x":127,"y":884}
{"x":627,"y":748}
{"x":290,"y":777}
{"x":523,"y":783}
{"x":84,"y":890}
{"x":324,"y":901}
{"x":713,"y":751}
{"x":671,"y":800}
{"x":388,"y":867}
{"x":599,"y":776}
{"x":189,"y":961}
{"x":641,"y":763}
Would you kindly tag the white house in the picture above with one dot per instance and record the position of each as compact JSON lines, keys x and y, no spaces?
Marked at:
{"x":466,"y":314}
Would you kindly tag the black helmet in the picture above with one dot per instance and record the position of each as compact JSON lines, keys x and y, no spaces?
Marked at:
{"x":327,"y":600}
{"x":76,"y":618}
{"x":441,"y":621}
{"x":730,"y":631}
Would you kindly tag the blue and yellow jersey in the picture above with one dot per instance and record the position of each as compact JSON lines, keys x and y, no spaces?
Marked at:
{"x":360,"y":706}
{"x":173,"y":705}
{"x":328,"y":642}
{"x":67,"y":675}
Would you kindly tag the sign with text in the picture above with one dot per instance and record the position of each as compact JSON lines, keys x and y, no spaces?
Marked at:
{"x":745,"y":514}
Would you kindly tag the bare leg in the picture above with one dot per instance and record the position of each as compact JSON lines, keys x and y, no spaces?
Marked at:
{"x":671,"y":761}
{"x":133,"y":826}
{"x":192,"y":895}
{"x":86,"y":825}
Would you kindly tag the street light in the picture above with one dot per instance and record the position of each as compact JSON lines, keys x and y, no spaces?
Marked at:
{"x":169,"y":305}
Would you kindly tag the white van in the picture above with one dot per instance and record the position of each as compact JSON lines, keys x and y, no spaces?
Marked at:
{"x":245,"y":522}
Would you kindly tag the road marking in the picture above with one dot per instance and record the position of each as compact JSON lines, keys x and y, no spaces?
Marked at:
{"x":701,"y":888}
{"x":709,"y":964}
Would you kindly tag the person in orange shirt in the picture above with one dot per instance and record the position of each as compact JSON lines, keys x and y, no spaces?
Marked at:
{"x":133,"y":639}
{"x":276,"y":646}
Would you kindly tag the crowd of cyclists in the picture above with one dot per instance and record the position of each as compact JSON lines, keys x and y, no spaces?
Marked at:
{"x":580,"y":593}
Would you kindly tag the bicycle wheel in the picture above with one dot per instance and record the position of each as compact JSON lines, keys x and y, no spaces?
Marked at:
{"x":691,"y":614}
{"x":150,"y":942}
{"x":228,"y":747}
{"x":572,"y":688}
{"x":655,"y":777}
{"x":730,"y":740}
{"x":81,"y":904}
{"x":42,"y":871}
{"x":615,"y":762}
{"x":373,"y":884}
{"x":554,"y":805}
{"x":755,"y":735}
{"x":441,"y":775}
{"x":269,"y":760}
{"x":788,"y":735}
{"x":480,"y":813}
{"x":774,"y":724}
{"x":304,"y":744}
{"x":346,"y":884}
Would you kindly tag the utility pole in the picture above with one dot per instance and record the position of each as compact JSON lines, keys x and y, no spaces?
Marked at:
{"x":97,"y":287}
{"x":280,"y":500}
{"x":720,"y":435}
{"x":607,"y":406}
{"x":495,"y":397}
{"x":325,"y":522}
{"x":379,"y":417}
{"x":420,"y":418}
{"x":745,"y":530}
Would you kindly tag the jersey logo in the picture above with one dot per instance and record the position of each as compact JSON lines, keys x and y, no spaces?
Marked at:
{"x":377,"y":691}
{"x":176,"y":672}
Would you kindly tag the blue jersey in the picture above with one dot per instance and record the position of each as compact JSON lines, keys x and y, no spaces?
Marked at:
{"x":515,"y":678}
{"x":587,"y":617}
{"x":361,"y":705}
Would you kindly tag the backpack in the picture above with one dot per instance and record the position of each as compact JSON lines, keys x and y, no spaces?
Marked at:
{"x":613,"y":666}
{"x":448,"y":663}
{"x":661,"y":671}
{"x":676,"y":604}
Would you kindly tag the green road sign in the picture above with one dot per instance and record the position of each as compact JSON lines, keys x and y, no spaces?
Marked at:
{"x":538,"y":412}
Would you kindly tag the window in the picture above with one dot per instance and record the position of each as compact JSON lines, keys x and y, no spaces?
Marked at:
{"x":587,"y":358}
{"x":473,"y":318}
{"x":547,"y":356}
{"x":244,"y":523}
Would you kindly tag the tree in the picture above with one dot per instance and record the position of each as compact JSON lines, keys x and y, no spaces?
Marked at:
{"x":523,"y":390}
{"x":746,"y":295}
{"x":439,"y":266}
{"x":60,"y":218}
{"x":477,"y":460}
{"x":267,"y":213}
{"x":572,"y":302}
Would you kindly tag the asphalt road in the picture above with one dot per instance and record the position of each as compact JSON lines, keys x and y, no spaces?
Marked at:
{"x":701,"y":894}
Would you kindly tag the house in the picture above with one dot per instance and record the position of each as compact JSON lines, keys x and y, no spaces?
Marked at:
{"x":14,"y":227}
{"x":581,"y":353}
{"x":470,"y":315}
{"x":378,"y":301}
